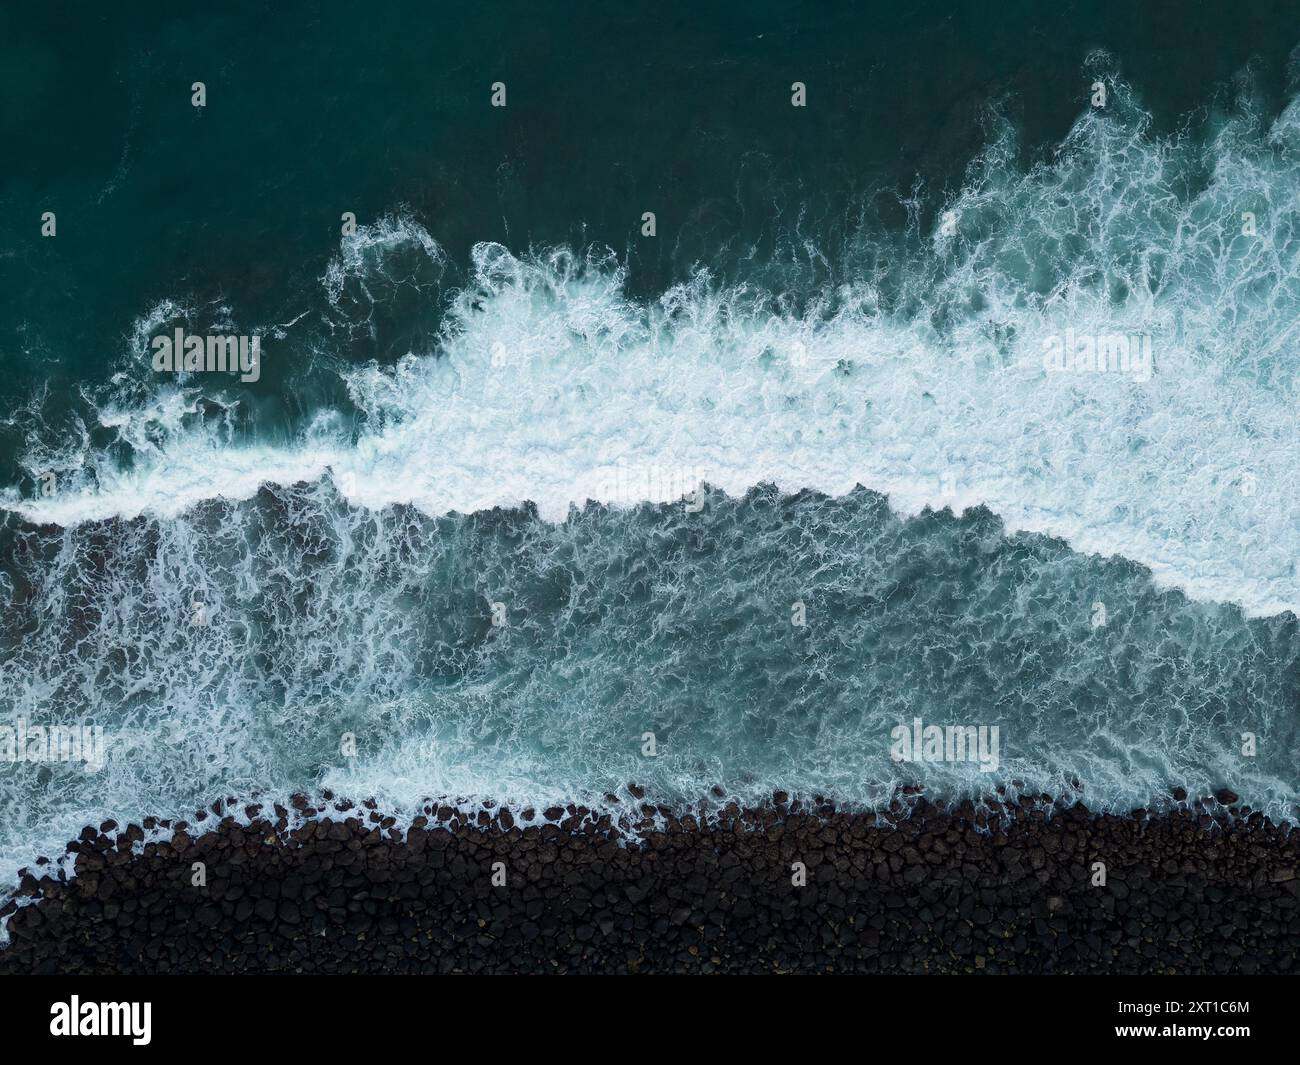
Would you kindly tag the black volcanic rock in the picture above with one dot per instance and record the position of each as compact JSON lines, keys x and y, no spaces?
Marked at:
{"x":789,"y":887}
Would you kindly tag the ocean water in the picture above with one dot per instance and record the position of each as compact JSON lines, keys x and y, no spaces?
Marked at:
{"x":519,"y":486}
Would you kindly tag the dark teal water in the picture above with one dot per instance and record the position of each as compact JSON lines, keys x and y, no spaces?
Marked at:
{"x":314,"y":109}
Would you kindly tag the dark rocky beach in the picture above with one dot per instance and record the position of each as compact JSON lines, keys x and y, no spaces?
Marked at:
{"x":1006,"y":887}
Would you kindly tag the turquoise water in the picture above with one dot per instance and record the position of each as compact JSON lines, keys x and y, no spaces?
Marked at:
{"x":519,"y":485}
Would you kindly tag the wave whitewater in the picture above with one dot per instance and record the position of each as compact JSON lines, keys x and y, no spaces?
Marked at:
{"x":922,"y":376}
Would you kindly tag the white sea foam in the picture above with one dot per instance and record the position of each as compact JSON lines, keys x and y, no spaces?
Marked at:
{"x":550,"y":384}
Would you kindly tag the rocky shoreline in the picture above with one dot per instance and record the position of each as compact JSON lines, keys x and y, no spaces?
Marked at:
{"x":1008,"y":886}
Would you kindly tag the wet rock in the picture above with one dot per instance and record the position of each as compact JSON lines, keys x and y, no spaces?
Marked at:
{"x":795,"y":885}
